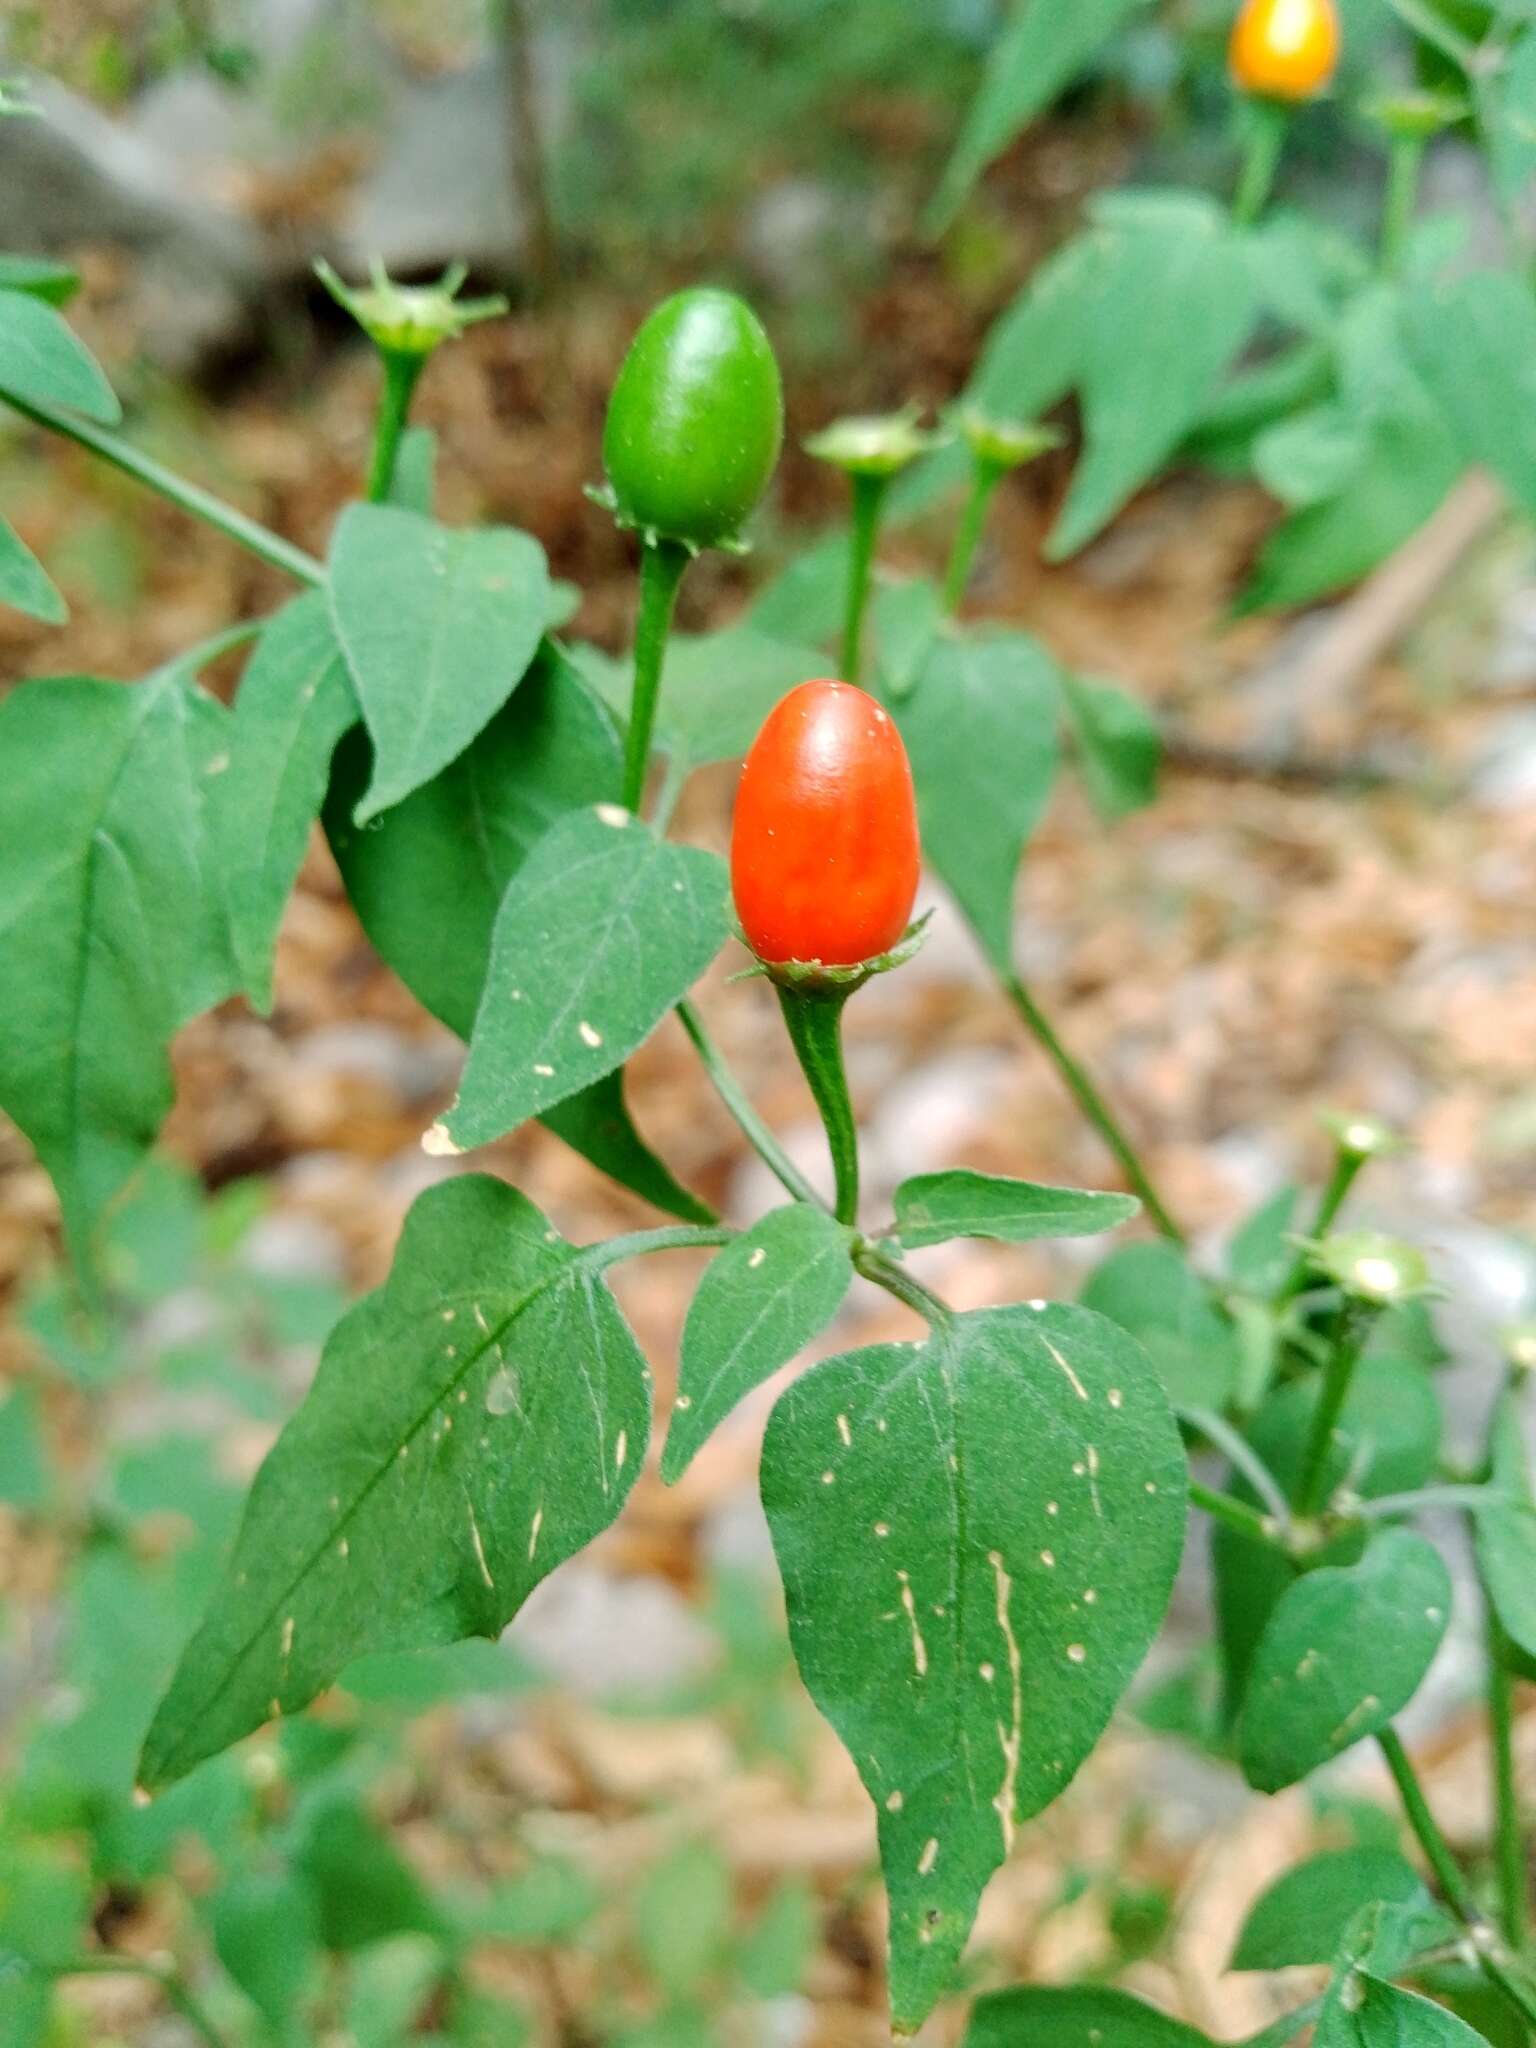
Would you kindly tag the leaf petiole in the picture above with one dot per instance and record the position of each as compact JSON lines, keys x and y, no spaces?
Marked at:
{"x":662,"y":563}
{"x":249,"y":533}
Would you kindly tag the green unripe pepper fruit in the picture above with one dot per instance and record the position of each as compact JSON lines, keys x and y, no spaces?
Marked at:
{"x":695,"y":422}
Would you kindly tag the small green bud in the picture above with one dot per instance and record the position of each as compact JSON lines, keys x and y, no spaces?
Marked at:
{"x":876,"y":445}
{"x":409,"y":320}
{"x":1371,"y":1268}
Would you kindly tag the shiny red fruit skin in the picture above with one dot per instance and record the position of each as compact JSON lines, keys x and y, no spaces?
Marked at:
{"x":824,"y":848}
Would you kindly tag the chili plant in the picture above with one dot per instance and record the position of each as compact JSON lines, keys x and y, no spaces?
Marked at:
{"x":977,"y":1531}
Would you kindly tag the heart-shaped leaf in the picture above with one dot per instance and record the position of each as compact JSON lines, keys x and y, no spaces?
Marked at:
{"x":474,"y":1423}
{"x":602,"y":930}
{"x":1344,"y":1652}
{"x":427,"y":879}
{"x":112,"y":929}
{"x":42,"y":360}
{"x":932,"y":1208}
{"x":980,"y":727}
{"x":439,"y":626}
{"x":294,"y":703}
{"x":761,"y":1302}
{"x":1304,"y":1915}
{"x":967,"y":1617}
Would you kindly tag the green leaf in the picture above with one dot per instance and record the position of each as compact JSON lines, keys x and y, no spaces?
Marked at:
{"x":805,"y":601}
{"x":602,"y":930}
{"x":1344,"y":1652}
{"x":1388,"y":1439}
{"x":25,"y":584}
{"x":1032,"y":356}
{"x":390,"y":1983}
{"x":1073,"y":2016}
{"x":1409,"y":461}
{"x":1118,"y":745}
{"x":1173,"y":304}
{"x":1506,"y":1536}
{"x":112,"y":926}
{"x":23,"y":1458}
{"x":294,"y":704}
{"x":1037,"y":56}
{"x":717,"y":688}
{"x":1312,"y":456}
{"x":1261,"y":1252}
{"x":427,"y":878}
{"x":439,"y":1468}
{"x":1380,"y":2015}
{"x":1151,"y":1290}
{"x":43,"y":361}
{"x":1473,"y":341}
{"x":41,"y":276}
{"x":265,"y":1935}
{"x":439,"y":627}
{"x":964,"y":1617}
{"x":908,"y":619}
{"x":932,"y":1208}
{"x":761,"y":1302}
{"x":1507,"y":109}
{"x":26,"y":2004}
{"x":780,"y":1946}
{"x":1304,"y":1915}
{"x":362,"y":1890}
{"x":980,"y":728}
{"x":682,"y":1917}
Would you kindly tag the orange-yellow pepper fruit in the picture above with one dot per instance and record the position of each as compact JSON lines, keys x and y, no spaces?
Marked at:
{"x":1285,"y":49}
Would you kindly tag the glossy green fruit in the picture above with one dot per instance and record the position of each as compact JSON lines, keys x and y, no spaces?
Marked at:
{"x":695,"y":421}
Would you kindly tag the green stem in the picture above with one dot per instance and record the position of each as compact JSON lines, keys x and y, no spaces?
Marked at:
{"x":1312,"y":1486}
{"x":271,"y":547}
{"x":1509,"y":1843}
{"x":1346,"y":1168}
{"x":985,"y":478}
{"x":1268,"y":121}
{"x":756,"y":1132}
{"x":1494,"y":1963}
{"x":885,"y":1272}
{"x":662,"y":563}
{"x":1236,"y":1514}
{"x":638,"y":1244}
{"x":172,"y":1989}
{"x":1383,"y":1507}
{"x":815,"y":1025}
{"x":1424,"y":21}
{"x":1402,"y":198}
{"x":1093,"y":1106}
{"x":868,"y":504}
{"x":1241,"y":1455}
{"x":401,"y":373}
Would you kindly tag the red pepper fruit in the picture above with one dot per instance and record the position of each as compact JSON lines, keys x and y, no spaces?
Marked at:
{"x":824,"y":849}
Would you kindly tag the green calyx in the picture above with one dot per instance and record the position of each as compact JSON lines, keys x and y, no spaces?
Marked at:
{"x":1375,"y":1270}
{"x":1000,"y":444}
{"x":819,"y":979}
{"x":876,"y":445}
{"x":1415,"y":116}
{"x":695,"y":423}
{"x":409,"y":320}
{"x":1360,"y":1137}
